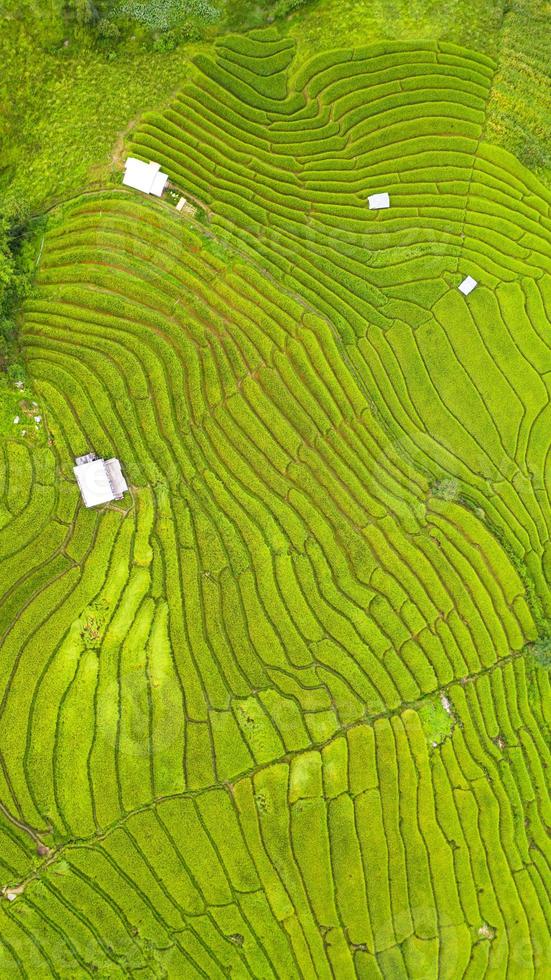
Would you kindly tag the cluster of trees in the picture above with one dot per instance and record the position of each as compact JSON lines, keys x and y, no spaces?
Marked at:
{"x":7,"y":327}
{"x":16,"y":269}
{"x":165,"y":23}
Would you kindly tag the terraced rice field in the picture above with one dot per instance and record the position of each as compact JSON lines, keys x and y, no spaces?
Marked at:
{"x":283,"y":711}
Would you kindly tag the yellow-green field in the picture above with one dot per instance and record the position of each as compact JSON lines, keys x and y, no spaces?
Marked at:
{"x":283,"y":710}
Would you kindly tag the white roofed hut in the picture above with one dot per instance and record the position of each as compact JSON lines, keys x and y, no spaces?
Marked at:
{"x":99,"y":480}
{"x":467,"y":285}
{"x":145,"y":177}
{"x":378,"y":201}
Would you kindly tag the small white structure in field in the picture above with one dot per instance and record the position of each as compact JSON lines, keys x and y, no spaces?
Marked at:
{"x":467,"y":285}
{"x":146,"y":177}
{"x":378,"y":201}
{"x":181,"y":204}
{"x":99,"y":480}
{"x":16,"y":420}
{"x":446,"y":703}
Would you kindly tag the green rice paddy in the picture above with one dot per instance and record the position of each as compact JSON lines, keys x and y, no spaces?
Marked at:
{"x":283,"y":710}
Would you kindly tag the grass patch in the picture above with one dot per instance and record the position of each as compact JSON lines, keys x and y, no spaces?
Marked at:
{"x":437,"y":720}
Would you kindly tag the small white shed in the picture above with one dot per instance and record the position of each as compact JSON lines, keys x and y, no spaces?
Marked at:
{"x":467,"y":285}
{"x":99,"y":480}
{"x":378,"y":201}
{"x":145,"y":177}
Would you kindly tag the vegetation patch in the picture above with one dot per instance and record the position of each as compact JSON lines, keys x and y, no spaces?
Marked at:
{"x":437,"y":719}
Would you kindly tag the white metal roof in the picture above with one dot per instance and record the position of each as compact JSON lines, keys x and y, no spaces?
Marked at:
{"x":467,"y":285}
{"x":93,"y":483}
{"x":116,"y":479}
{"x":145,"y":177}
{"x":377,"y":201}
{"x":158,"y":184}
{"x":100,"y":481}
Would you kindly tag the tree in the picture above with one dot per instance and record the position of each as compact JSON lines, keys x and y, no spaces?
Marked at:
{"x":6,"y":260}
{"x":85,"y":12}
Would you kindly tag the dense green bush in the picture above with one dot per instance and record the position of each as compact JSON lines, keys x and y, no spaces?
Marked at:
{"x":18,"y":246}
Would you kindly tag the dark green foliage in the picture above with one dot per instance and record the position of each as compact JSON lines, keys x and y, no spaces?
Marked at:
{"x":19,"y":243}
{"x":541,"y":651}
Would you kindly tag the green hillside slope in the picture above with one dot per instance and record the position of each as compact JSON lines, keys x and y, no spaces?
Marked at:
{"x":283,"y":711}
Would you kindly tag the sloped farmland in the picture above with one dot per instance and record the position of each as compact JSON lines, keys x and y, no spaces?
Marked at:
{"x":283,"y":711}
